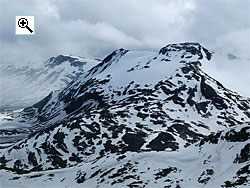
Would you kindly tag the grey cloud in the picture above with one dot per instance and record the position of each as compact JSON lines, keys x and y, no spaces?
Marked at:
{"x":216,"y":23}
{"x":95,"y":28}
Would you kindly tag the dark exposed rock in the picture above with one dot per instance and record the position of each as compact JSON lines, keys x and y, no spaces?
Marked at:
{"x":55,"y":61}
{"x":3,"y":162}
{"x":81,"y":177}
{"x":188,"y":48}
{"x":43,"y":102}
{"x":134,"y":141}
{"x":244,"y":170}
{"x":205,"y":176}
{"x":234,"y":136}
{"x":184,"y":131}
{"x":202,"y":106}
{"x":32,"y":159}
{"x":212,"y":138}
{"x":209,"y":93}
{"x":165,"y":172}
{"x":244,"y":155}
{"x":110,"y":147}
{"x":163,"y":141}
{"x":75,"y":158}
{"x":239,"y":181}
{"x":59,"y":140}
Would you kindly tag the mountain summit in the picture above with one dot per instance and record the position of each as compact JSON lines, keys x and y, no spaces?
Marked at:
{"x":135,"y":120}
{"x":186,"y":50}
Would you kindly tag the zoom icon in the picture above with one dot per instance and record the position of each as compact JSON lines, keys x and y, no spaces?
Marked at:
{"x":24,"y":25}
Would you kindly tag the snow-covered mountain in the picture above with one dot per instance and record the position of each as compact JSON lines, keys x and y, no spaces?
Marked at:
{"x":154,"y":92}
{"x":218,"y":160}
{"x":137,"y":119}
{"x":23,"y":85}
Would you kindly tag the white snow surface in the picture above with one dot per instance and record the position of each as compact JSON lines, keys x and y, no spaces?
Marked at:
{"x":186,"y":168}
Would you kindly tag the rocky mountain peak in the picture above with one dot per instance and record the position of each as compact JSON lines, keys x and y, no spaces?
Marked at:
{"x":58,"y":60}
{"x":186,"y":50}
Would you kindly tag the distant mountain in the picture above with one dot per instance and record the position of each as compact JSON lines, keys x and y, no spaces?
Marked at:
{"x":23,"y":85}
{"x":137,"y":119}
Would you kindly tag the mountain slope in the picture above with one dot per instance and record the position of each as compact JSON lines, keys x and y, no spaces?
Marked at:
{"x":218,"y":160}
{"x":23,"y":85}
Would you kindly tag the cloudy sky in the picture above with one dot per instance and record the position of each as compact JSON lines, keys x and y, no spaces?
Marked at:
{"x":97,"y":27}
